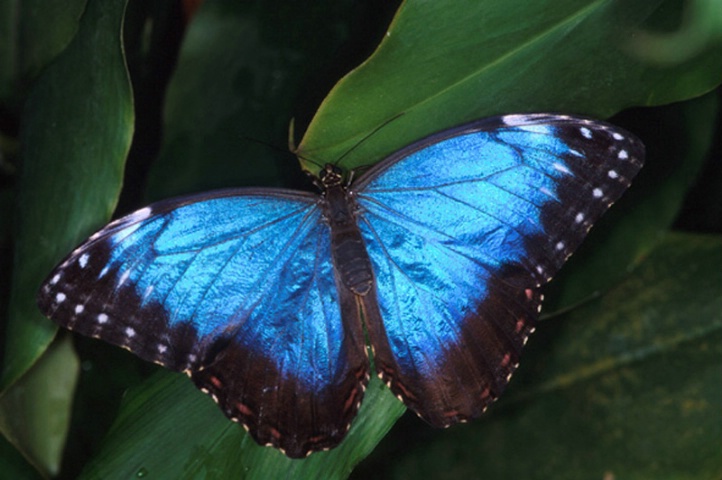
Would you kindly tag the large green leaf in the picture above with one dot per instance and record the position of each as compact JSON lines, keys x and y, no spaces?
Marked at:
{"x":32,"y":33}
{"x":443,"y":63}
{"x":201,"y":443}
{"x":72,"y":168}
{"x":34,"y":413}
{"x":76,"y":133}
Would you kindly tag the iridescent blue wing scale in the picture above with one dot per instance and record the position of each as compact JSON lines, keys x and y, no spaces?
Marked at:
{"x":462,"y":229}
{"x":237,"y":289}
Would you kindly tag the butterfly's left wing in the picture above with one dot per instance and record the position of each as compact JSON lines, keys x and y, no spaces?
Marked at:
{"x":237,"y":289}
{"x":462,"y":229}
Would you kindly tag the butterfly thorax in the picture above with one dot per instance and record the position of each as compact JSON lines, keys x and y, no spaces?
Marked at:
{"x":348,"y":249}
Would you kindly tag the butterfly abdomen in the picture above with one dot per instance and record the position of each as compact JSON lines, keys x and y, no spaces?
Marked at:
{"x":352,"y":261}
{"x":348,"y":250}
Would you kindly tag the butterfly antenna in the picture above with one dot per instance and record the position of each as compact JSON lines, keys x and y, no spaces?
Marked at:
{"x":279,"y":149}
{"x":366,"y":137}
{"x":265,"y":144}
{"x":294,"y":148}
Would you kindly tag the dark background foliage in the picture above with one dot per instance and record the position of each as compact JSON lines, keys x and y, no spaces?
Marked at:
{"x":106,"y":106}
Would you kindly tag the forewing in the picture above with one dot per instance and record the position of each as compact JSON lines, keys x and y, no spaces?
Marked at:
{"x":462,"y":229}
{"x":237,"y":289}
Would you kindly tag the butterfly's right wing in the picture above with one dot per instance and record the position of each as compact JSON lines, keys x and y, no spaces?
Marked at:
{"x":463,"y":229}
{"x":237,"y":289}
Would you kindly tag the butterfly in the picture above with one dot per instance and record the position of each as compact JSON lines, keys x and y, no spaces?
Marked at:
{"x":265,"y":297}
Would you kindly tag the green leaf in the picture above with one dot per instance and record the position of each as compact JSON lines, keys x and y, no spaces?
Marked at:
{"x":32,"y":33}
{"x":34,"y":414}
{"x":626,"y":387}
{"x":201,"y":443}
{"x":13,"y":465}
{"x":76,"y":133}
{"x":701,"y":26}
{"x":445,"y":63}
{"x":75,"y":137}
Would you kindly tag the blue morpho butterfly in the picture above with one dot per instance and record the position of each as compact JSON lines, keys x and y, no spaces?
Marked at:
{"x":261,"y":295}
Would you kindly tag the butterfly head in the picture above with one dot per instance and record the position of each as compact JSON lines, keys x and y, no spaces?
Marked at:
{"x":331,"y":176}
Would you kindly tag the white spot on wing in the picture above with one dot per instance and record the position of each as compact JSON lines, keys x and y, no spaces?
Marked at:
{"x":623,"y":155}
{"x":148,"y":291}
{"x":561,"y":168}
{"x":55,"y":279}
{"x":514,"y":120}
{"x":613,"y":174}
{"x":586,"y":133}
{"x":617,"y":136}
{"x":83,"y":260}
{"x":535,"y":128}
{"x":546,"y":191}
{"x":597,"y":192}
{"x":102,"y":318}
{"x":129,"y":332}
{"x":60,"y":297}
{"x":579,"y":218}
{"x":79,"y":308}
{"x":123,"y":277}
{"x":139,"y":215}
